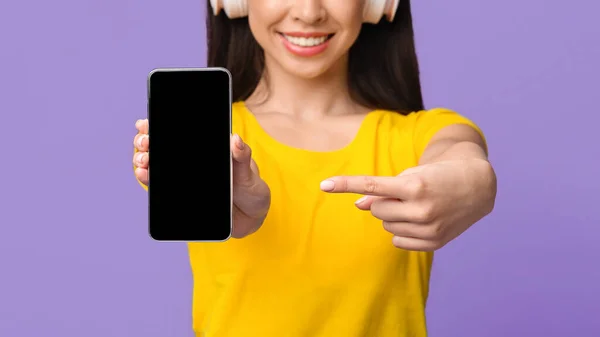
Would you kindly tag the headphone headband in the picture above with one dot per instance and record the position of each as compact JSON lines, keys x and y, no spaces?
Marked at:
{"x":374,"y":10}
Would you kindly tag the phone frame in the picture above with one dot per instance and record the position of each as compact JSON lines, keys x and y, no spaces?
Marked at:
{"x":230,"y":93}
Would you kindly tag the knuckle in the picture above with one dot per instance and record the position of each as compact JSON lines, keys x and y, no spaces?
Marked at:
{"x":387,"y":226}
{"x":244,"y":178}
{"x":425,"y":213}
{"x":141,"y":140}
{"x":341,"y":184}
{"x":377,"y":208}
{"x":370,"y":185}
{"x":416,"y":187}
{"x":435,"y":232}
{"x":141,"y":159}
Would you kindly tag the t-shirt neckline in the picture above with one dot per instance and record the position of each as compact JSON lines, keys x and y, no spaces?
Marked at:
{"x":275,"y":144}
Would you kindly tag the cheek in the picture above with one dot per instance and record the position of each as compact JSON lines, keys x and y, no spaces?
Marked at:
{"x":265,"y":6}
{"x":350,"y":20}
{"x":348,"y":13}
{"x":262,"y":15}
{"x":259,"y":28}
{"x":350,"y":35}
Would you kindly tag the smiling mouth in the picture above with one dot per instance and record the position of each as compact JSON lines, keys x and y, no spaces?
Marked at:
{"x":307,"y":41}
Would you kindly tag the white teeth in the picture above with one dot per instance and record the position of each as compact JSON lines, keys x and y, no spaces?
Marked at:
{"x":305,"y":41}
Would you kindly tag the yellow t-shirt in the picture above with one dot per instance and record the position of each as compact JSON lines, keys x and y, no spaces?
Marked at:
{"x":319,"y":267}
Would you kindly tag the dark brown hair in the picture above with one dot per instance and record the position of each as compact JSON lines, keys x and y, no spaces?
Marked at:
{"x":383,"y":66}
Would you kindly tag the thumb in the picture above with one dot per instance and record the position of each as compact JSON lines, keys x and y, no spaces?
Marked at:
{"x":365,"y":202}
{"x":242,"y":160}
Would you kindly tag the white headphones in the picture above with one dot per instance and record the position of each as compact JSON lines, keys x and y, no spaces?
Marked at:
{"x":374,"y":9}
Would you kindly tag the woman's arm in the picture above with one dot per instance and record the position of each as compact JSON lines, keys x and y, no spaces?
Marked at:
{"x":455,"y":142}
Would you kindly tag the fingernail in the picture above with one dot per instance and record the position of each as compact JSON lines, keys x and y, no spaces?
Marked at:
{"x":141,"y":158}
{"x":327,"y":185}
{"x":137,"y":123}
{"x":141,"y":140}
{"x":361,"y":200}
{"x":239,"y":143}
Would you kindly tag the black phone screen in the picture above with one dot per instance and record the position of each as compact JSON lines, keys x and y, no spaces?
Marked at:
{"x":190,"y":189}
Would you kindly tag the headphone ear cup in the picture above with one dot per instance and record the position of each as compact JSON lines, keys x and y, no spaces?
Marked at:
{"x":374,"y":10}
{"x":372,"y":13}
{"x":235,"y":8}
{"x":391,"y":9}
{"x":217,"y":6}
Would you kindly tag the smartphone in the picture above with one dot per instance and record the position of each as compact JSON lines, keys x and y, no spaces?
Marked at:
{"x":190,"y":175}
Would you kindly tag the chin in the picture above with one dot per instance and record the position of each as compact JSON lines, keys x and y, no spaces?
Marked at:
{"x":308,"y":67}
{"x":307,"y":71}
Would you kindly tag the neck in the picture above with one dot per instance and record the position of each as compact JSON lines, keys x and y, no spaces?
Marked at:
{"x":306,"y":98}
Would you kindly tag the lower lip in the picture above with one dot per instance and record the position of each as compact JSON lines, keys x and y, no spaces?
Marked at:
{"x":304,"y":51}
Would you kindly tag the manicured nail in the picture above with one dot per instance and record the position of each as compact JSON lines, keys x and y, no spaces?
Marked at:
{"x":361,"y":200}
{"x":141,"y":140}
{"x":141,"y":158}
{"x":239,"y":143}
{"x":327,"y":185}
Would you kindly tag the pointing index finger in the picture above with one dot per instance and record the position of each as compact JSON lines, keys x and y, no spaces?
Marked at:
{"x":390,"y":187}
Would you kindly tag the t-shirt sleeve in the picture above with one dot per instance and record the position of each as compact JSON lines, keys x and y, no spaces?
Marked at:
{"x":430,"y":122}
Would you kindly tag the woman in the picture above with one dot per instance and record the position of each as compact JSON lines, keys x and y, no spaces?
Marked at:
{"x":358,"y":184}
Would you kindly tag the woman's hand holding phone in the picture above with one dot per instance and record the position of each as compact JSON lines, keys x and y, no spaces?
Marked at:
{"x":141,"y":159}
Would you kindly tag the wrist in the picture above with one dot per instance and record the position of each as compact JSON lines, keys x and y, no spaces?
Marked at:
{"x":247,"y":223}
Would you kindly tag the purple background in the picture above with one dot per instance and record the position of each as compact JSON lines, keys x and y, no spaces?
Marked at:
{"x":75,"y":257}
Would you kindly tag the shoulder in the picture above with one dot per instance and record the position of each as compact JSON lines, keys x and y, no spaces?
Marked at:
{"x":419,"y":127}
{"x":423,"y":120}
{"x":421,"y":117}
